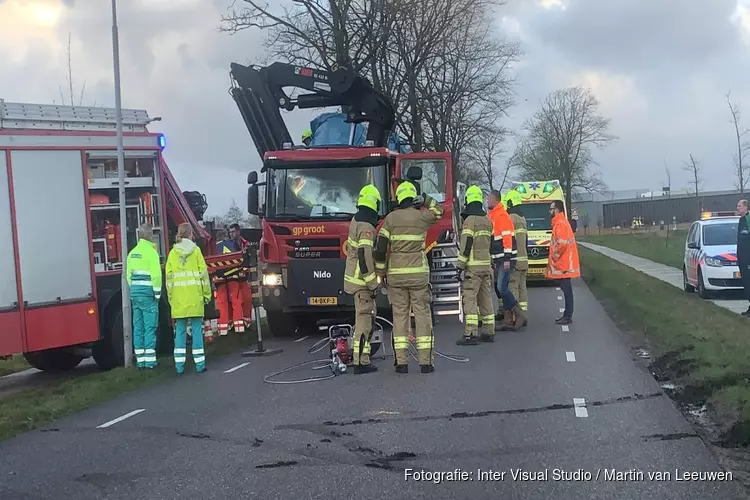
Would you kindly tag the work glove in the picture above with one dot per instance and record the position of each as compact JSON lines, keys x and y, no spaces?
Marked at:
{"x":461,"y":275}
{"x":418,"y":201}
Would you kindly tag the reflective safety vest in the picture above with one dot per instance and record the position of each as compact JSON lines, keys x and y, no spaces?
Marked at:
{"x":503,"y":235}
{"x":476,"y":240}
{"x":563,"y":251}
{"x":188,"y":285}
{"x":404,"y":232}
{"x":223,"y":247}
{"x":360,"y":265}
{"x":520,"y":235}
{"x":144,"y":271}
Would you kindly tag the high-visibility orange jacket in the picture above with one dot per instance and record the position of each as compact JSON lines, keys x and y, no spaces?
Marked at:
{"x":563,"y":251}
{"x":503,"y":235}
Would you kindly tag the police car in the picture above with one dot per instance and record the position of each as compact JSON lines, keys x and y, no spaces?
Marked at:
{"x":710,"y":262}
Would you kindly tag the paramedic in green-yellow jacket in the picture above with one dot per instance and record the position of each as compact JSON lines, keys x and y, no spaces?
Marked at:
{"x":188,"y":290}
{"x":144,"y":280}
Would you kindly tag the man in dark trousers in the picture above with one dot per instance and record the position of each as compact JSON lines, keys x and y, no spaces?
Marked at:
{"x":743,"y":248}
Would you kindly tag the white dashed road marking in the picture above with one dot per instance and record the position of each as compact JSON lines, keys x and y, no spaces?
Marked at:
{"x":243,"y":365}
{"x":120,"y":419}
{"x":562,"y":309}
{"x":570,"y":356}
{"x":559,"y":297}
{"x":558,"y":289}
{"x":302,"y":338}
{"x":565,"y":328}
{"x":580,"y":407}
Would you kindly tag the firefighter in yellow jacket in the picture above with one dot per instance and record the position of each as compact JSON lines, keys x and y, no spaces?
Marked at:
{"x":475,"y":270}
{"x":517,"y":282}
{"x":407,"y":272}
{"x":359,"y":276}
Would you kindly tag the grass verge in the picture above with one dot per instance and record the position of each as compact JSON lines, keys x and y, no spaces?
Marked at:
{"x":696,"y":344}
{"x":13,"y":364}
{"x":32,"y":408}
{"x":652,"y":246}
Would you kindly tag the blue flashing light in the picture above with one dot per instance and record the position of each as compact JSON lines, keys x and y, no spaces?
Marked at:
{"x":162,"y":141}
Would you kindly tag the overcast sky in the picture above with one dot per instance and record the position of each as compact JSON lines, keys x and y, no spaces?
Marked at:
{"x":661,"y":69}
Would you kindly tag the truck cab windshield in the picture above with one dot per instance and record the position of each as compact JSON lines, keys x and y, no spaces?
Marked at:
{"x":321,"y":193}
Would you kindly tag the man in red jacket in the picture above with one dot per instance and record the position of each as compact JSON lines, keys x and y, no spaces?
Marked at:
{"x":247,"y":294}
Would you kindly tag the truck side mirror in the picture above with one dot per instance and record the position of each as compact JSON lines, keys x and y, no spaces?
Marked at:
{"x":252,"y":177}
{"x":414,"y":173}
{"x":252,"y":199}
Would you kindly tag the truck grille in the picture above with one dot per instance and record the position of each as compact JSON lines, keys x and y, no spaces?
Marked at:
{"x":537,"y":252}
{"x":313,"y":248}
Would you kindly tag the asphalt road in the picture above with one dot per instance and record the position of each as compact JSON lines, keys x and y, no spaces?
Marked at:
{"x":228,"y":435}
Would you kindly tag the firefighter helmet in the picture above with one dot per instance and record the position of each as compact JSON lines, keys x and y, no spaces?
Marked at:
{"x":474,"y":194}
{"x":369,"y":197}
{"x":405,"y":190}
{"x":307,"y":134}
{"x":512,"y":199}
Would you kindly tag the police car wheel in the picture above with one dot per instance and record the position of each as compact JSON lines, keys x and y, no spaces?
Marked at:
{"x":702,"y":292}
{"x":685,"y":285}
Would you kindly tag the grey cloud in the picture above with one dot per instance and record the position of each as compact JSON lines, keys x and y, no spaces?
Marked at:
{"x":638,"y":34}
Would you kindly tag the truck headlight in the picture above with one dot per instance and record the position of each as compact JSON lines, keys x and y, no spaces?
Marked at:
{"x":272,"y":279}
{"x":713,"y":262}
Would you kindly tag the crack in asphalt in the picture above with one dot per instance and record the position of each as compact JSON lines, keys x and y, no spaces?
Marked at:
{"x":477,"y":414}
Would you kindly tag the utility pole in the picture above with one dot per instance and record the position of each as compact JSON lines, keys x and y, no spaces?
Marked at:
{"x":127,"y":324}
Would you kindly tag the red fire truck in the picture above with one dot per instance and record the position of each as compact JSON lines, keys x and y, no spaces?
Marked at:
{"x":311,"y":193}
{"x":60,"y":250}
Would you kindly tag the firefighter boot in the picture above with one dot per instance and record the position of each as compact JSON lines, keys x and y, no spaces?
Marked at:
{"x":520,"y":318}
{"x":467,"y":340}
{"x":368,"y":368}
{"x":507,"y":324}
{"x":485,"y":337}
{"x":427,"y":368}
{"x":402,"y":368}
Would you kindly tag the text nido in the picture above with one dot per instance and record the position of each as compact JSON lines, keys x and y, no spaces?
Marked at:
{"x":305,"y":230}
{"x":321,"y":274}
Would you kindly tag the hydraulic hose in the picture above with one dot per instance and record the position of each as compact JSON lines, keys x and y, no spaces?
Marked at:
{"x":319,"y":364}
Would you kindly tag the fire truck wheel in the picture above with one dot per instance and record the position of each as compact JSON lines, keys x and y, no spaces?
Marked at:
{"x":53,"y":360}
{"x":108,"y":352}
{"x":281,"y":325}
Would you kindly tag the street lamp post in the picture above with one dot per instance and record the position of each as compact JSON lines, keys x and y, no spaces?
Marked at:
{"x":127,"y":325}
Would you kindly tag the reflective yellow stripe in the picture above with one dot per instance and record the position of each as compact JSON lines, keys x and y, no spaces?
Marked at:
{"x":478,"y":262}
{"x":401,"y":342}
{"x":409,"y":270}
{"x":483,"y":233}
{"x":522,"y":231}
{"x":384,"y":233}
{"x":361,"y":243}
{"x":407,"y":237}
{"x":523,"y":258}
{"x":365,"y":243}
{"x":468,"y":232}
{"x":425,"y":342}
{"x":369,"y":277}
{"x":379,"y":265}
{"x":490,"y":318}
{"x":354,"y":281}
{"x":462,"y":258}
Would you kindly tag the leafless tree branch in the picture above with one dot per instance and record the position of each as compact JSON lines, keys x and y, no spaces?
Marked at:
{"x":693,"y":167}
{"x":743,"y":146}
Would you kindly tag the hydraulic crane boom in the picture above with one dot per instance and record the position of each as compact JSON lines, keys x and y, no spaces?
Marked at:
{"x":259,"y":94}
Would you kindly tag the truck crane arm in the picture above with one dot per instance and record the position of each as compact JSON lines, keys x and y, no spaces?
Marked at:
{"x":259,"y":94}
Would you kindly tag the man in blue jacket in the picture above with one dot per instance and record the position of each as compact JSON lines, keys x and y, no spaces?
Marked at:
{"x":145,"y":281}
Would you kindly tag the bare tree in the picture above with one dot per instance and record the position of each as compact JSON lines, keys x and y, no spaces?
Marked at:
{"x":559,"y":138}
{"x":70,"y":81}
{"x":482,"y":157}
{"x":439,"y":61}
{"x":693,"y":168}
{"x":743,"y":147}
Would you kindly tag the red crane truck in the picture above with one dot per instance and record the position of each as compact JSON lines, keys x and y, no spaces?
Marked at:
{"x":311,"y":194}
{"x":60,"y":250}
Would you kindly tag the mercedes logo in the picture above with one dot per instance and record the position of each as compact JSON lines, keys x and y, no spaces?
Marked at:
{"x":297,"y":243}
{"x":534,"y":252}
